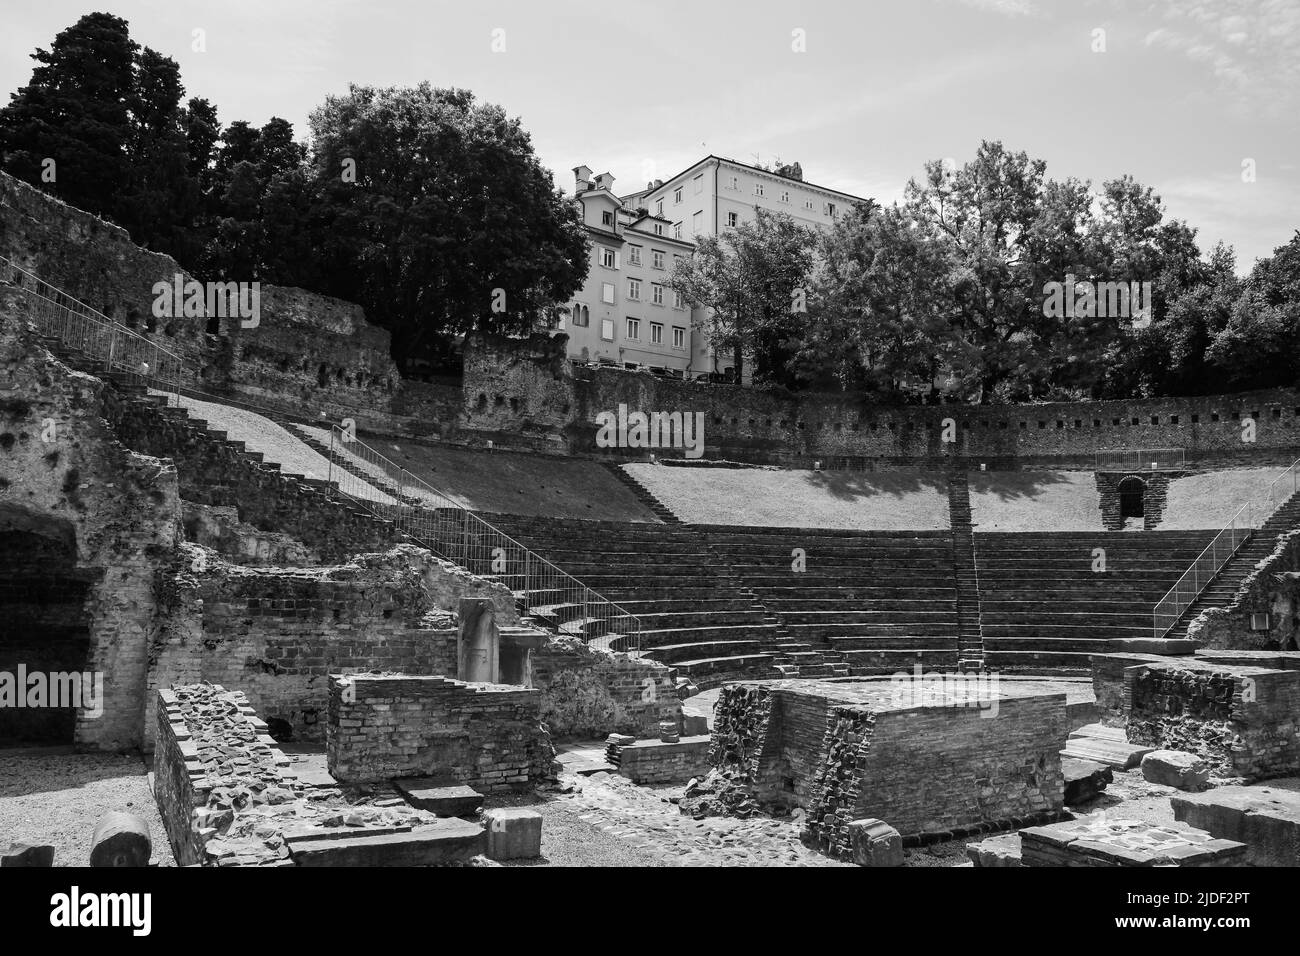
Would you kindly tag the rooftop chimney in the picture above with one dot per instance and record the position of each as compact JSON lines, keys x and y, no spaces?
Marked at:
{"x":605,"y":181}
{"x":581,"y":178}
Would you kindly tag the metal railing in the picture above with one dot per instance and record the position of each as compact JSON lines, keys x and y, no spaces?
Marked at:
{"x":428,"y":516}
{"x":436,"y":521}
{"x":1251,"y":516}
{"x":90,"y":333}
{"x":1141,"y":459}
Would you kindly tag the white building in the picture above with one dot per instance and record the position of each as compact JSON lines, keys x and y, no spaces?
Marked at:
{"x":618,"y":316}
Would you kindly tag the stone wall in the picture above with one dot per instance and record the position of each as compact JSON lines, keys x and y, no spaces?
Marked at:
{"x":654,"y":761}
{"x":518,"y":388}
{"x":64,"y":476}
{"x":276,"y":634}
{"x":1244,"y":721}
{"x":588,"y":693}
{"x":218,"y":474}
{"x":306,"y":349}
{"x":1155,"y":494}
{"x":488,"y":736}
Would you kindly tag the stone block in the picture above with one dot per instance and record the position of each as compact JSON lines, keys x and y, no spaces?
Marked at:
{"x":120,"y":839}
{"x":24,"y":854}
{"x":998,"y":851}
{"x":1176,"y":768}
{"x":1266,"y":819}
{"x":1084,"y":779}
{"x":440,"y":797}
{"x":875,"y":843}
{"x":513,"y":833}
{"x":693,"y":725}
{"x":446,"y":841}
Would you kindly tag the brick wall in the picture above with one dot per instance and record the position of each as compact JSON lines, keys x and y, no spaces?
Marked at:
{"x":654,"y":761}
{"x":587,"y":692}
{"x":276,"y":633}
{"x":488,"y":736}
{"x":63,"y":475}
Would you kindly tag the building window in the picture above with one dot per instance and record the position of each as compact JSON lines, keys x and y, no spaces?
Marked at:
{"x":677,"y":230}
{"x":785,"y":195}
{"x":607,"y":293}
{"x":732,"y":219}
{"x":656,"y":333}
{"x":657,"y":258}
{"x":659,"y":207}
{"x":679,"y":300}
{"x":656,"y":293}
{"x":735,"y":182}
{"x":634,"y":329}
{"x":634,"y":255}
{"x":607,"y":218}
{"x":699,"y":185}
{"x":607,"y":329}
{"x":581,"y":316}
{"x":659,"y":229}
{"x":808,"y":204}
{"x":608,"y":258}
{"x":634,"y":289}
{"x":677,"y":195}
{"x":697,"y":221}
{"x":758,"y":189}
{"x":679,"y":337}
{"x":830,"y":209}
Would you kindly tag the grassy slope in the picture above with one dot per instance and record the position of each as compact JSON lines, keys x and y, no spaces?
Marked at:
{"x":1034,"y":501}
{"x":1211,"y":499}
{"x":758,"y":497}
{"x":517,"y":483}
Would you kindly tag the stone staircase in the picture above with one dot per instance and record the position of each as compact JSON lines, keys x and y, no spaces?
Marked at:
{"x":1043,"y":606}
{"x":644,"y":495}
{"x":1223,"y":588}
{"x":970,"y":639}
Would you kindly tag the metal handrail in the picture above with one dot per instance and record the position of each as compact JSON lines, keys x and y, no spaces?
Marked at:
{"x":1169,"y":610}
{"x":456,"y":533}
{"x":1140,"y":459}
{"x":104,"y":339}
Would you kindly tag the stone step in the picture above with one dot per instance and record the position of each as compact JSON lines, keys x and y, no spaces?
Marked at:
{"x":1104,"y":745}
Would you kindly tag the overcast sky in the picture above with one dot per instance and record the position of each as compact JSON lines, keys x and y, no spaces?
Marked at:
{"x":1183,"y":93}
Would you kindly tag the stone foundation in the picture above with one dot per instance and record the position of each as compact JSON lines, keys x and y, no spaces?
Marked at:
{"x":486,"y":736}
{"x":588,"y":692}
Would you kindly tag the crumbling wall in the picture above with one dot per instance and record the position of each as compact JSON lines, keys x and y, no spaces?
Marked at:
{"x":1273,"y":588}
{"x":1243,"y":721}
{"x":488,"y":736}
{"x":588,"y":692}
{"x":61,"y":468}
{"x":306,"y":348}
{"x":838,"y":783}
{"x":276,"y":633}
{"x":215,"y":474}
{"x":518,"y":387}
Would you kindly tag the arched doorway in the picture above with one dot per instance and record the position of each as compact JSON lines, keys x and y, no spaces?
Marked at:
{"x":1131,"y":492}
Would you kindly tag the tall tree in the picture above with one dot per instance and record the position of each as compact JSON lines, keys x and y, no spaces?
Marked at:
{"x":753,"y":280}
{"x":75,"y":111}
{"x":450,"y":223}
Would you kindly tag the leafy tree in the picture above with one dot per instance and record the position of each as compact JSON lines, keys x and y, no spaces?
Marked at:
{"x":76,"y":111}
{"x":451,"y":224}
{"x":750,"y":279}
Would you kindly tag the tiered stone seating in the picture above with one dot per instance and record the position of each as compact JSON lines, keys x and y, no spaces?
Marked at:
{"x":1043,"y":605}
{"x":693,"y":617}
{"x":880,"y":601}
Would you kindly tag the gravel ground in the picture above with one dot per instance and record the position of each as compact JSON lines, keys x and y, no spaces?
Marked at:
{"x":57,"y":797}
